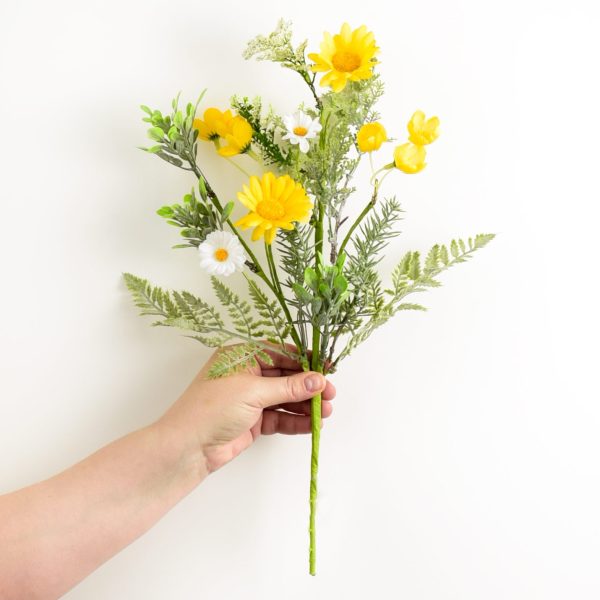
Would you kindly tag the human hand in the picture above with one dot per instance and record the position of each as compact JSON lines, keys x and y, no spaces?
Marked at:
{"x":218,"y":419}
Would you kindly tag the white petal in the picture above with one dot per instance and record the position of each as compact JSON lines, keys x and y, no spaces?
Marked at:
{"x":289,"y":122}
{"x":304,"y":145}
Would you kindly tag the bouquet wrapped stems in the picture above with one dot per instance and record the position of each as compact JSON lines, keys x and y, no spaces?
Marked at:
{"x":324,"y":296}
{"x":315,"y":421}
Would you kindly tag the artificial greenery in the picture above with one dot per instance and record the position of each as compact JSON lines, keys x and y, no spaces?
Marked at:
{"x":318,"y":293}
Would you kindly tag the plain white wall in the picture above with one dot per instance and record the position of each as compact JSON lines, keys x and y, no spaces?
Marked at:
{"x":462,"y":458}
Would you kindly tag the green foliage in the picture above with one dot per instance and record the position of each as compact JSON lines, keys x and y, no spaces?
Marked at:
{"x":324,"y":290}
{"x":277,"y":47}
{"x":185,"y":311}
{"x":330,"y":291}
{"x":233,"y":359}
{"x":175,"y":134}
{"x":151,"y":300}
{"x":196,"y":218}
{"x":264,"y":129}
{"x":373,"y":237}
{"x":276,"y":328}
{"x":239,"y":310}
{"x":413,"y":275}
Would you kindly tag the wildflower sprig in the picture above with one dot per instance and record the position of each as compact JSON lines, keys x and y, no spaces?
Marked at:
{"x":316,"y":282}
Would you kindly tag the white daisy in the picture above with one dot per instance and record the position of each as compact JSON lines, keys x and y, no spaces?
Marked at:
{"x":301,"y":128}
{"x":221,"y":253}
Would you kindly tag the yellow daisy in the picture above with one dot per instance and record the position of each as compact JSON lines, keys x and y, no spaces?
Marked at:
{"x":346,"y":56}
{"x":273,"y":202}
{"x":213,"y":125}
{"x":238,"y":136}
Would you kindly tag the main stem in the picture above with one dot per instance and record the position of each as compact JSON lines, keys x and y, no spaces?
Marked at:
{"x":315,"y":413}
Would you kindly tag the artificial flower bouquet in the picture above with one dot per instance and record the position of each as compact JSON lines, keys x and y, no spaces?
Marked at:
{"x":314,"y":289}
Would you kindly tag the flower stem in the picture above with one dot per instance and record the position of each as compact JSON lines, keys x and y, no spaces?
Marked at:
{"x":315,"y":425}
{"x":315,"y":411}
{"x":258,"y":268}
{"x":360,"y":217}
{"x":238,"y":167}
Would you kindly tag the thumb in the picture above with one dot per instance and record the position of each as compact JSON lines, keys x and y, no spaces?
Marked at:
{"x":292,"y":388}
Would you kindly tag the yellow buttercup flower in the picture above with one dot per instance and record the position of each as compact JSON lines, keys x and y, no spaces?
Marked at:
{"x":346,"y":56}
{"x":370,"y":137}
{"x":273,"y":202}
{"x":238,"y":136}
{"x":410,"y":158}
{"x":423,"y":131}
{"x":213,"y":125}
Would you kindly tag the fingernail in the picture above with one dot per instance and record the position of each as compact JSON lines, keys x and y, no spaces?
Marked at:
{"x":312,"y":383}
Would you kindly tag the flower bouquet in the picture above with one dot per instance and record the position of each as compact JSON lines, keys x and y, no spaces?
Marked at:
{"x":314,"y":289}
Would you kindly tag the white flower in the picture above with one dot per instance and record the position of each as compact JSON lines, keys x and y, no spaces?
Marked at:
{"x":301,"y":128}
{"x":221,"y":253}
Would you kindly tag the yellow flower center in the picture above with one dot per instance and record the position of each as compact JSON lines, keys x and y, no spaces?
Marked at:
{"x":300,"y":131}
{"x":221,"y":254}
{"x":271,"y":210}
{"x":345,"y":61}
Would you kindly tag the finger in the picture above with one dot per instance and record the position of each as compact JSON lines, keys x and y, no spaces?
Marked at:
{"x":328,"y":393}
{"x":280,"y":361}
{"x":273,"y":372}
{"x":292,"y":388}
{"x":304,"y":408}
{"x":280,"y":422}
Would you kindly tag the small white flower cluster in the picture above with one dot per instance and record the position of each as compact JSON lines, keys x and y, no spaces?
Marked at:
{"x":301,"y":128}
{"x":221,"y":254}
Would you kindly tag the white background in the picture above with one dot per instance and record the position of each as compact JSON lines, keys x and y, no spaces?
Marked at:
{"x":462,"y":458}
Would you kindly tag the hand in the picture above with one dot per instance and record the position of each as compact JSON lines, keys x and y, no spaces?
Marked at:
{"x":220,"y":418}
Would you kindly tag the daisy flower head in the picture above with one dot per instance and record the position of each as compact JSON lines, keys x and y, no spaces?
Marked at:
{"x":346,"y":56}
{"x":301,"y":128}
{"x":273,"y":202}
{"x":221,"y":253}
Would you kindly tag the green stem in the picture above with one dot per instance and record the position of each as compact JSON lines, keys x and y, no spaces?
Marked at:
{"x":259,"y":270}
{"x":278,"y":291}
{"x":315,"y":414}
{"x":360,"y":217}
{"x":238,"y":167}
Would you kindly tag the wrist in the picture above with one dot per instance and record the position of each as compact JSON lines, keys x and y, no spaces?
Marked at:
{"x":183,"y":462}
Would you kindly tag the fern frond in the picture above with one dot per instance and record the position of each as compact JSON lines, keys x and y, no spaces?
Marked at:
{"x":271,"y":313}
{"x":233,"y":359}
{"x":239,"y":310}
{"x":412,"y":276}
{"x":150,"y":299}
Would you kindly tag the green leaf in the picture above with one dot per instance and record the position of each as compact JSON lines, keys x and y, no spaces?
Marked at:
{"x":156,"y":133}
{"x":340,"y":283}
{"x":227,"y":210}
{"x":311,"y":278}
{"x":302,"y":294}
{"x":165,"y":211}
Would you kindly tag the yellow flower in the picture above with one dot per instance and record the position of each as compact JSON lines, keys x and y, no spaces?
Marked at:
{"x":409,"y":158}
{"x":214,"y":124}
{"x":370,"y":137}
{"x":273,"y":202}
{"x":238,"y":136}
{"x":346,"y":56}
{"x":423,"y":131}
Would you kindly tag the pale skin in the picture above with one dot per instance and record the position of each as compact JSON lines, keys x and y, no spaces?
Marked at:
{"x":56,"y":532}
